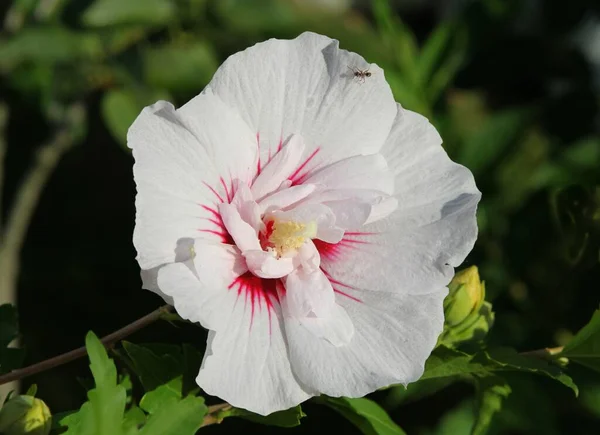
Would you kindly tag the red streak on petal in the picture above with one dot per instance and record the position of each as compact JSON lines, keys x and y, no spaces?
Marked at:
{"x":219,"y":197}
{"x":339,"y":292}
{"x":257,"y":291}
{"x":330,"y":251}
{"x":280,"y":145}
{"x":212,"y":211}
{"x":359,"y":233}
{"x":294,"y":178}
{"x":214,"y":221}
{"x":224,"y":237}
{"x":228,"y":193}
{"x":258,"y":167}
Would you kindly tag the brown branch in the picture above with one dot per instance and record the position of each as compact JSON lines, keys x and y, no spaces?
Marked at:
{"x":213,"y":417}
{"x":546,"y":353}
{"x":108,"y":341}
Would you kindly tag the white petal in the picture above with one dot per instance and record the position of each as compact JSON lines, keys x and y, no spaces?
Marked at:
{"x":279,"y":168}
{"x":349,"y":213}
{"x":304,"y":86}
{"x":230,"y":143}
{"x":264,"y":265}
{"x":308,"y":257}
{"x":337,"y":328}
{"x":177,"y":171}
{"x":416,"y":248}
{"x":201,"y":289}
{"x":286,"y":197}
{"x":309,"y":300}
{"x":246,"y":364}
{"x":243,"y":234}
{"x":308,"y":294}
{"x":393,"y":336}
{"x":358,"y":172}
{"x":381,"y":204}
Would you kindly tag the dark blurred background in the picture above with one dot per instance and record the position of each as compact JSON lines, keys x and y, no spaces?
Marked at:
{"x":513,"y":86}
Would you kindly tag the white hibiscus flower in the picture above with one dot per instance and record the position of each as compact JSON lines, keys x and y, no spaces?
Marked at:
{"x":304,"y":218}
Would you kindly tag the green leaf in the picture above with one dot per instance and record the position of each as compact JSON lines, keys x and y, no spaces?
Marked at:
{"x":164,"y":394}
{"x":508,"y":359}
{"x":133,"y":420}
{"x":179,"y":68}
{"x":445,"y":362}
{"x":103,"y":413}
{"x":399,"y":38}
{"x":488,"y":143}
{"x":152,"y":370}
{"x":457,"y":421}
{"x":491,"y":392}
{"x":365,"y":414}
{"x":113,"y":12}
{"x":287,"y":418}
{"x":176,"y":418}
{"x":400,"y":395}
{"x":433,"y":50}
{"x":584,"y":348}
{"x":47,"y":44}
{"x":444,"y":74}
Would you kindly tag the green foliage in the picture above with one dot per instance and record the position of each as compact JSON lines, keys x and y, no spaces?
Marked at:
{"x":10,"y":358}
{"x":365,"y":414}
{"x":522,"y":122}
{"x":154,"y":369}
{"x":179,"y":67}
{"x":103,"y":413}
{"x":491,"y":392}
{"x":445,"y":362}
{"x":584,"y":348}
{"x":115,"y":12}
{"x":47,"y":45}
{"x":488,"y":142}
{"x":287,"y":418}
{"x":168,"y":412}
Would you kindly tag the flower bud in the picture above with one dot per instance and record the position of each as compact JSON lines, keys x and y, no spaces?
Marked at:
{"x":468,"y":316}
{"x":25,"y":415}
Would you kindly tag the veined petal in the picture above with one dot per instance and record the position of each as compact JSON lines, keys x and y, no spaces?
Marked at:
{"x":246,"y":363}
{"x":415,"y":248}
{"x":393,"y":336}
{"x":308,"y":294}
{"x":309,"y":300}
{"x":284,"y":198}
{"x":177,"y":171}
{"x":279,"y":168}
{"x":199,"y":288}
{"x":358,"y":172}
{"x":243,"y":234}
{"x":306,"y":86}
{"x":349,"y":213}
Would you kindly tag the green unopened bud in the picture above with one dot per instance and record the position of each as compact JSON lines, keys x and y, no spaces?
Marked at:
{"x":467,"y":292}
{"x":25,"y":415}
{"x":468,"y":316}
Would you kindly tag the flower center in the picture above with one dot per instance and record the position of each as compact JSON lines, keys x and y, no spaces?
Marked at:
{"x":286,"y":236}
